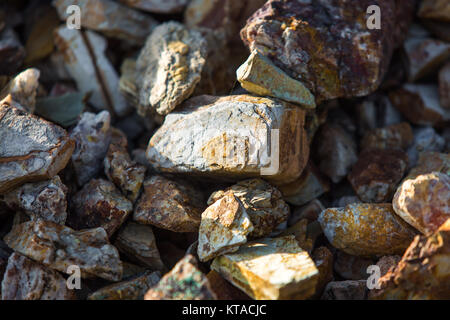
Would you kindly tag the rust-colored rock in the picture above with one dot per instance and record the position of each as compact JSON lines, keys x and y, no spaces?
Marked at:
{"x":397,"y":136}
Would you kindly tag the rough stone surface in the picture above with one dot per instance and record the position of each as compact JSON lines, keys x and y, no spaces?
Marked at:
{"x":351,"y":267}
{"x":28,"y":280}
{"x":40,"y":200}
{"x":270,"y":269}
{"x":169,"y":205}
{"x":444,"y":86}
{"x":228,"y":138}
{"x":224,"y":227}
{"x":425,"y":140}
{"x":319,"y":43}
{"x":345,"y":290}
{"x":262,"y":202}
{"x":31,"y":149}
{"x":184,"y":282}
{"x":138,"y":243}
{"x":157,"y":6}
{"x":169,"y":67}
{"x":388,"y":263}
{"x":435,"y":9}
{"x":366,"y":230}
{"x":430,"y":162}
{"x":99,"y":204}
{"x":424,"y":202}
{"x":23,"y":89}
{"x":58,"y":247}
{"x":397,"y":136}
{"x":92,"y":136}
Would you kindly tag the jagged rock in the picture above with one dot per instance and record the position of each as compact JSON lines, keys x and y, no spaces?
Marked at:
{"x":444,"y":86}
{"x":397,"y":136}
{"x":92,"y":136}
{"x":59,"y":247}
{"x":40,"y":200}
{"x":262,"y":202}
{"x":31,"y":149}
{"x":345,"y":290}
{"x":270,"y":269}
{"x":184,"y":282}
{"x":169,"y":67}
{"x":351,"y":267}
{"x":170,"y":205}
{"x":317,"y":42}
{"x":12,"y":53}
{"x":377,"y":174}
{"x":138,"y":243}
{"x":260,"y":76}
{"x":99,"y":204}
{"x":225,"y":226}
{"x":23,"y":89}
{"x":423,"y":202}
{"x":228,"y":138}
{"x":435,"y":9}
{"x":158,"y":6}
{"x":28,"y":280}
{"x":110,"y":18}
{"x":126,"y":174}
{"x":366,"y":230}
{"x":134,"y":289}
{"x":425,"y":140}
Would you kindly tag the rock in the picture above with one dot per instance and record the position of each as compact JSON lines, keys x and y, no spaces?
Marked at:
{"x":28,"y":280}
{"x":23,"y":89}
{"x":316,"y":43}
{"x":345,"y":200}
{"x":169,"y":67}
{"x":388,"y":264}
{"x":131,"y":270}
{"x":126,"y":174}
{"x":430,"y":162}
{"x":184,"y":282}
{"x":84,"y":59}
{"x":59,"y":247}
{"x":435,"y":9}
{"x":92,"y":135}
{"x":419,"y":103}
{"x":134,"y":289}
{"x":40,"y":200}
{"x":336,"y":151}
{"x":366,"y":230}
{"x":31,"y":149}
{"x":262,"y":202}
{"x":424,"y":202}
{"x":425,"y":140}
{"x":397,"y":136}
{"x":260,"y":76}
{"x":227,"y":138}
{"x":352,"y":267}
{"x":223,"y":289}
{"x":345,"y":290}
{"x":99,"y":204}
{"x":310,"y":185}
{"x":270,"y":269}
{"x":377,"y":174}
{"x":323,"y":259}
{"x":157,"y":6}
{"x":444,"y":86}
{"x":299,"y":231}
{"x":421,"y":273}
{"x":110,"y":18}
{"x":309,"y":211}
{"x":170,"y":205}
{"x":138,"y":243}
{"x":12,"y":53}
{"x":224,"y":227}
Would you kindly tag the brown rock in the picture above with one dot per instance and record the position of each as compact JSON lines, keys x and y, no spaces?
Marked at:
{"x":430,"y":162}
{"x":323,"y":259}
{"x":388,"y":263}
{"x":435,"y":9}
{"x":397,"y":136}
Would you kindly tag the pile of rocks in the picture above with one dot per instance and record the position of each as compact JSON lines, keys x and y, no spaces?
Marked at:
{"x":147,"y":158}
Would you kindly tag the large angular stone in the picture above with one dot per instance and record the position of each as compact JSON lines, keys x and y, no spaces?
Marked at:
{"x":270,"y":269}
{"x":59,"y":247}
{"x":320,"y":44}
{"x":31,"y":149}
{"x":366,"y":230}
{"x":228,"y":138}
{"x":157,"y":6}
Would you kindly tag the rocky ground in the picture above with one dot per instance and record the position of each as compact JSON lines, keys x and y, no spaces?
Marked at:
{"x":222,"y":149}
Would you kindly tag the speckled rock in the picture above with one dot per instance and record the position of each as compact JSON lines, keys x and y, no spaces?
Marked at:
{"x":31,"y":149}
{"x":388,"y":264}
{"x":425,"y":140}
{"x":134,"y":289}
{"x":345,"y":290}
{"x":317,"y":42}
{"x":351,"y":267}
{"x":270,"y":269}
{"x":262,"y":202}
{"x":184,"y":282}
{"x":23,"y":89}
{"x":366,"y":230}
{"x":260,"y":76}
{"x":397,"y":136}
{"x":157,"y":6}
{"x":138,"y":243}
{"x":377,"y":174}
{"x":99,"y":204}
{"x":224,"y":227}
{"x":424,"y":202}
{"x":228,"y":138}
{"x":28,"y":280}
{"x":92,"y":135}
{"x":40,"y":200}
{"x":126,"y":174}
{"x":170,"y":205}
{"x":169,"y":67}
{"x":59,"y":247}
{"x":435,"y":9}
{"x":444,"y":86}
